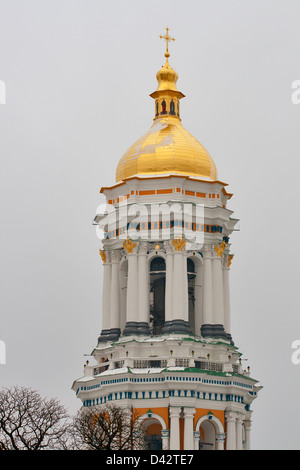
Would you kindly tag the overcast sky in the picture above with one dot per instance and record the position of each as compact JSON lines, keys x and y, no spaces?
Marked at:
{"x":78,"y":75}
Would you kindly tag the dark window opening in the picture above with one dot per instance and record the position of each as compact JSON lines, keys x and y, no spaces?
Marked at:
{"x":158,"y":264}
{"x":163,"y":107}
{"x":157,"y":294}
{"x":191,"y":274}
{"x":172,"y":108}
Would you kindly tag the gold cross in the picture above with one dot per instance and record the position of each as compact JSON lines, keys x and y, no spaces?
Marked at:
{"x":167,"y":38}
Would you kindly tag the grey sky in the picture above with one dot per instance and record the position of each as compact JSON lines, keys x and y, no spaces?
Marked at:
{"x":78,"y":74}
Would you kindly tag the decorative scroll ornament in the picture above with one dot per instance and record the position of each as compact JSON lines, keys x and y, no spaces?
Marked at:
{"x":103,"y":255}
{"x":129,"y":245}
{"x":179,"y":244}
{"x":229,"y":260}
{"x":220,"y":248}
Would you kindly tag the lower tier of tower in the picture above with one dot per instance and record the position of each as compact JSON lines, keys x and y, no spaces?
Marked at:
{"x":181,"y":416}
{"x":192,"y":395}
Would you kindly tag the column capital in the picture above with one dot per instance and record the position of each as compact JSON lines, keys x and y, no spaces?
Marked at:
{"x":168,"y":247}
{"x":165,"y":433}
{"x":142,"y":248}
{"x":240,"y":417}
{"x":220,"y":248}
{"x":220,"y":436}
{"x":179,"y":244}
{"x":129,"y":246}
{"x":115,"y":256}
{"x":175,"y":412}
{"x":189,"y":412}
{"x":230,"y":415}
{"x":207,"y":252}
{"x":227,"y":259}
{"x":105,"y":255}
{"x":247,"y":424}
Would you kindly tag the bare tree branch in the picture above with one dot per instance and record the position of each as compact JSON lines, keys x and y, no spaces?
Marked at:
{"x":107,"y":427}
{"x":30,"y":422}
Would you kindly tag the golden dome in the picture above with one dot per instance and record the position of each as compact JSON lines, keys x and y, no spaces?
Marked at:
{"x":167,"y":148}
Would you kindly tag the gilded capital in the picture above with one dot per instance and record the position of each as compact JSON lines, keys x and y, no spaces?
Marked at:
{"x":220,"y":248}
{"x":103,"y":255}
{"x":129,"y":245}
{"x":179,"y":244}
{"x":229,"y":260}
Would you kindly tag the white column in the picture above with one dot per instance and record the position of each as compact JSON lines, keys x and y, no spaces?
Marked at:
{"x":220,"y":437}
{"x":247,"y":427}
{"x":106,"y":293}
{"x":178,"y":297}
{"x":174,"y":429}
{"x":143,"y":284}
{"x":189,"y":428}
{"x":226,"y":293}
{"x":196,"y":440}
{"x":218,"y":298}
{"x":207,"y":287}
{"x":165,"y":434}
{"x":132,"y":286}
{"x":115,"y":290}
{"x":180,"y":287}
{"x":239,"y":432}
{"x":185,"y":289}
{"x":230,"y":417}
{"x":169,"y":282}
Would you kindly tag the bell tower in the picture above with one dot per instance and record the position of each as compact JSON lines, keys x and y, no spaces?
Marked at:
{"x":165,"y":347}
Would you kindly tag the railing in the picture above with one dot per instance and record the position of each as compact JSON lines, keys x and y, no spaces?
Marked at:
{"x":182,"y":362}
{"x":99,"y":370}
{"x":119,"y":364}
{"x":163,"y":363}
{"x":146,"y":363}
{"x":207,"y":365}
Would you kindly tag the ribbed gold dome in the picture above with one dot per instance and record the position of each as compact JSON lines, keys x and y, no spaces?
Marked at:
{"x":167,"y":148}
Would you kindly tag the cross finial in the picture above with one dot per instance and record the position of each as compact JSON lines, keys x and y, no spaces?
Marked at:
{"x":167,"y":38}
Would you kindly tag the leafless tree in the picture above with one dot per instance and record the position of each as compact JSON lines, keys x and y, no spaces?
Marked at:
{"x":30,"y":422}
{"x":107,"y":427}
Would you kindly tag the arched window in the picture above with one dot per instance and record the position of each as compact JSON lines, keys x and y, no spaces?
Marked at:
{"x":172,"y":108}
{"x":190,"y":266}
{"x":158,"y":264}
{"x":156,"y":108}
{"x":153,"y":440}
{"x":177,"y":108}
{"x":163,"y":107}
{"x":207,"y":436}
{"x":157,"y":294}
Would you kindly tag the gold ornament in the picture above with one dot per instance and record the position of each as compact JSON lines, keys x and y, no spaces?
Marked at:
{"x":179,"y":244}
{"x":103,"y":255}
{"x":220,"y":248}
{"x":129,"y":245}
{"x":229,"y":260}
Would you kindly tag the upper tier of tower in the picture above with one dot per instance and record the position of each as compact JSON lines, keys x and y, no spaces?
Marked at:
{"x":167,"y":148}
